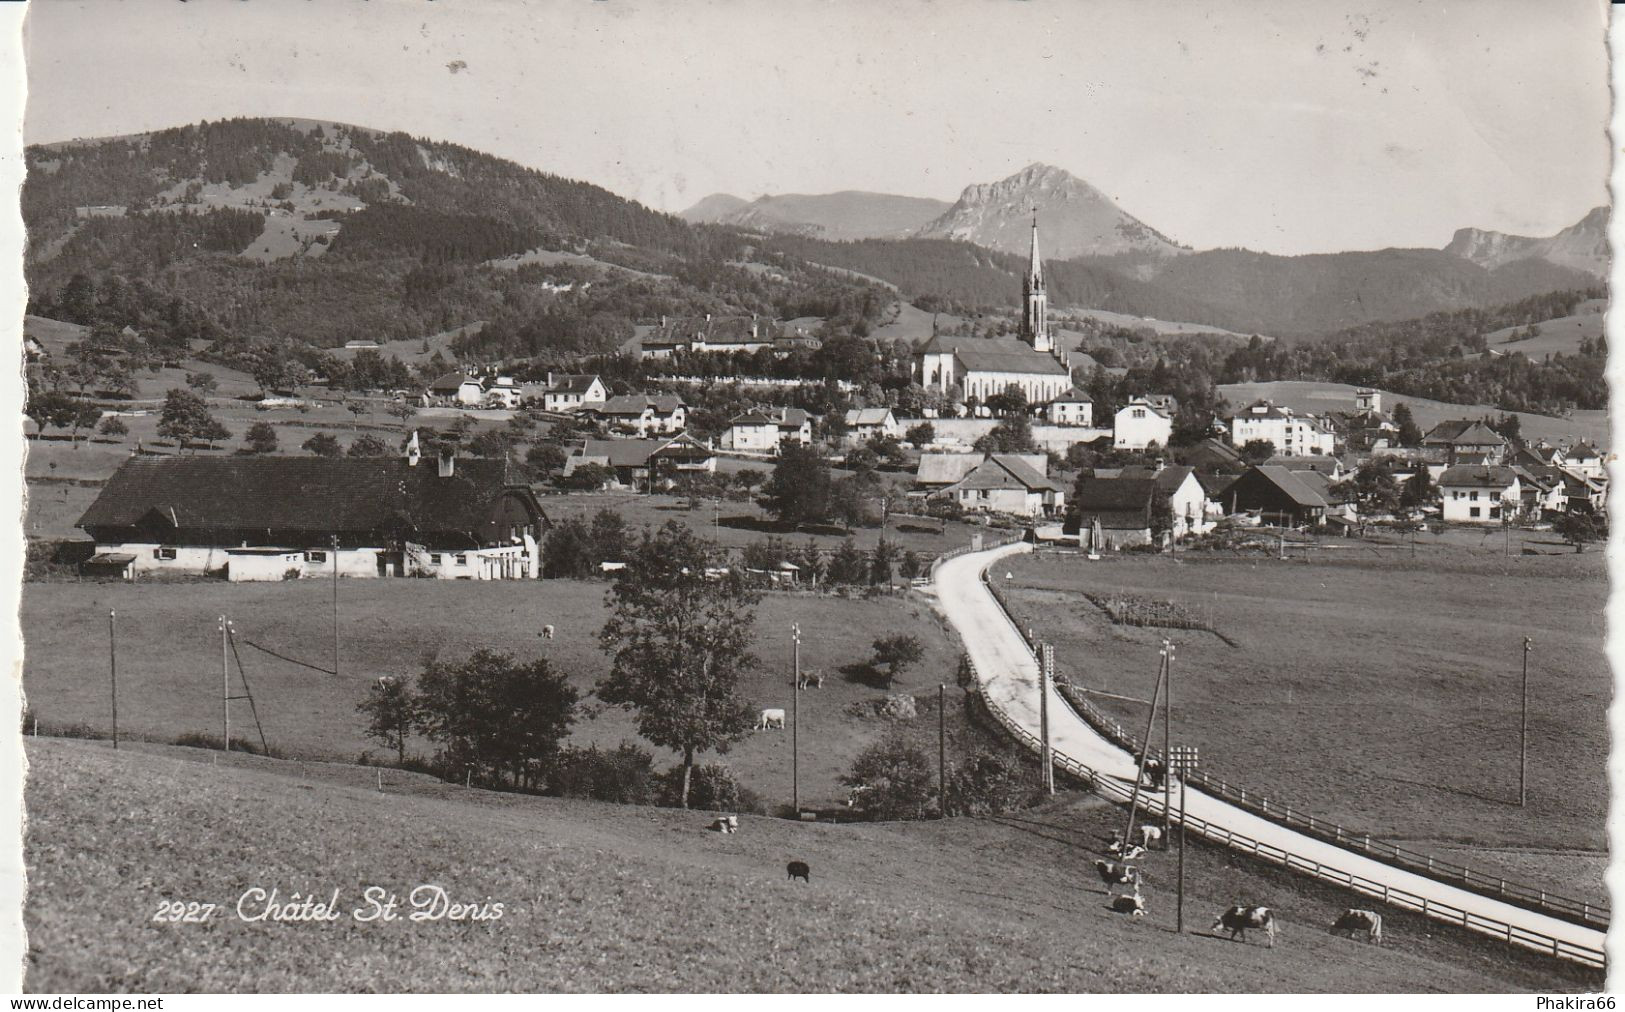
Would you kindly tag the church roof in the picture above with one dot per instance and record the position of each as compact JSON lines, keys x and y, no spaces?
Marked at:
{"x":1019,"y":358}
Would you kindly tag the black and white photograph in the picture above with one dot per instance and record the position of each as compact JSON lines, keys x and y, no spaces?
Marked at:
{"x":734,"y":497}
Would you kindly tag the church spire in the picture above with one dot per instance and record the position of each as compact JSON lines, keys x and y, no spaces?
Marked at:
{"x":1035,"y":270}
{"x":1034,"y":310}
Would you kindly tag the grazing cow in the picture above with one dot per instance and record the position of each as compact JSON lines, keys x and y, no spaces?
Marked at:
{"x":1114,"y":874}
{"x":1133,"y":905}
{"x":1238,"y":919}
{"x":771,"y":719}
{"x":1150,"y":835}
{"x":1155,"y":772}
{"x":1367,"y":921}
{"x":799,"y":870}
{"x":811,"y":680}
{"x":726,"y":824}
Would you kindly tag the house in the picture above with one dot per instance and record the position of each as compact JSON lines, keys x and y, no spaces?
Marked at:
{"x":644,"y":414}
{"x":1071,"y":408}
{"x":1331,"y":467}
{"x":1583,"y":493}
{"x":1276,"y":495}
{"x":634,"y":460}
{"x":1541,"y":489}
{"x":454,"y":389}
{"x":1144,"y":421}
{"x":1584,"y":458}
{"x":1541,"y":454}
{"x":573,"y":392}
{"x":765,"y":430}
{"x":503,"y":394}
{"x":1187,"y":499}
{"x":1291,"y":434}
{"x":1111,"y":513}
{"x":1479,"y":494}
{"x":275,"y":518}
{"x":936,"y":471}
{"x":864,"y":424}
{"x":1004,"y":483}
{"x":1464,"y":436}
{"x":707,"y":334}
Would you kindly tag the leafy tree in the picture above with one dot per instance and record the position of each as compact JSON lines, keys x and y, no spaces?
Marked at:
{"x":52,"y":408}
{"x":798,"y":492}
{"x":896,"y":653}
{"x":185,"y":416}
{"x":204,"y":383}
{"x":880,"y":563}
{"x":545,"y":458}
{"x":322,"y":444}
{"x":611,"y":539}
{"x":403,"y":409}
{"x":368,"y":445}
{"x":492,"y":443}
{"x":570,"y":552}
{"x":1256,"y":451}
{"x":847,"y":564}
{"x":861,"y":459}
{"x":113,"y":426}
{"x":1410,"y":434}
{"x":261,"y":437}
{"x":911,"y":566}
{"x":587,"y":478}
{"x":1162,"y":516}
{"x":811,"y":562}
{"x":392,"y":712}
{"x":1419,"y":491}
{"x":356,"y":409}
{"x":891,"y":779}
{"x":990,"y":782}
{"x":921,"y":434}
{"x":714,"y":788}
{"x":1012,"y":400}
{"x":1580,"y":529}
{"x":679,"y":640}
{"x":495,"y":713}
{"x":213,"y":432}
{"x":1376,"y":488}
{"x":1012,"y":435}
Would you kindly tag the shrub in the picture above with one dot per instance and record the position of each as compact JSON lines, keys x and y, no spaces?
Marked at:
{"x":899,"y":707}
{"x":623,"y":776}
{"x":892,"y":780}
{"x":712,"y":787}
{"x":989,"y":782}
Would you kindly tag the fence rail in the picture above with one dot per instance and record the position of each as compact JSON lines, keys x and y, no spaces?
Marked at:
{"x":1111,"y":788}
{"x":1576,"y":911}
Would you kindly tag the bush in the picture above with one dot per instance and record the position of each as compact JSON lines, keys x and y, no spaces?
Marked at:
{"x":990,"y":782}
{"x":899,"y":707}
{"x":713,"y":787}
{"x":892,"y":779}
{"x":623,"y":776}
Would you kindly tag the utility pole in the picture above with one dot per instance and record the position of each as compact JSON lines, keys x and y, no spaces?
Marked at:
{"x":1523,"y":731}
{"x":1181,"y":760}
{"x":942,"y":750}
{"x":795,"y":721}
{"x":1167,"y":710}
{"x":225,"y":691}
{"x":335,"y":542}
{"x":1046,"y":672}
{"x":112,"y":669}
{"x":1145,"y":744}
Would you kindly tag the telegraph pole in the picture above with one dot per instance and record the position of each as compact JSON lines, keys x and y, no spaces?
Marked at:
{"x":1145,"y":745}
{"x":1046,"y":671}
{"x":112,"y":668}
{"x":1182,"y":759}
{"x":795,"y":721}
{"x":225,"y":692}
{"x":335,"y":542}
{"x":942,"y":750}
{"x":1167,"y":710}
{"x":1523,"y":731}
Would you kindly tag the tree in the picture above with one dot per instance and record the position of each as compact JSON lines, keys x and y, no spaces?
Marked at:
{"x":587,"y":478}
{"x":213,"y":432}
{"x":1256,"y":451}
{"x":896,"y":653}
{"x":356,"y":408}
{"x":184,"y":416}
{"x":611,"y":539}
{"x":910,"y":567}
{"x":368,"y":445}
{"x":494,"y":713}
{"x":261,"y":437}
{"x":1012,"y":435}
{"x":1419,"y":491}
{"x":1409,"y":433}
{"x":404,"y":410}
{"x":798,"y":491}
{"x":811,"y":562}
{"x":921,"y":434}
{"x":570,"y":552}
{"x":322,"y":444}
{"x":1580,"y":529}
{"x":847,"y":565}
{"x":891,"y":779}
{"x":1012,"y":400}
{"x":391,"y":709}
{"x":1162,"y":516}
{"x":880,"y":562}
{"x":545,"y":458}
{"x":1376,"y":488}
{"x":202,"y":382}
{"x":113,"y":426}
{"x":679,"y":640}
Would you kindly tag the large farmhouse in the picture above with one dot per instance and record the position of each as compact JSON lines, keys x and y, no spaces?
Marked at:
{"x":275,"y":518}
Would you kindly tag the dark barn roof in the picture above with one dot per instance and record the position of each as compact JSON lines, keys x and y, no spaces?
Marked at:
{"x":306,"y":498}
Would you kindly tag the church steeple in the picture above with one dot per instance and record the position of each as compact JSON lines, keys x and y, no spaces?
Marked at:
{"x":1034,"y":315}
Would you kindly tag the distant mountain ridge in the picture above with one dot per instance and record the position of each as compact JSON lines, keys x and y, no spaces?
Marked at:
{"x":1582,"y":246}
{"x":1074,"y":218}
{"x":847,"y":214}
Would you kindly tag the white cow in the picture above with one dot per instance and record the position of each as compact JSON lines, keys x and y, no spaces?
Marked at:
{"x":1150,"y":835}
{"x":770,"y":720}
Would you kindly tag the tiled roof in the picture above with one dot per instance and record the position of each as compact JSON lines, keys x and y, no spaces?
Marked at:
{"x":1461,"y":432}
{"x":348,"y":496}
{"x":1001,"y":471}
{"x":1102,"y":495}
{"x":1026,"y":360}
{"x":571,"y":384}
{"x":635,"y":404}
{"x":1478,"y":476}
{"x":1287,"y":481}
{"x":450,"y":382}
{"x":867,"y":416}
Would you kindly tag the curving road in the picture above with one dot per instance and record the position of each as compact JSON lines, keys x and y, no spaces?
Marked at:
{"x":1009,"y":677}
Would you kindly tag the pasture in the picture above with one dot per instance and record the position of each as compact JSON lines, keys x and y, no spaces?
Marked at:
{"x":619,"y":898}
{"x":1376,"y":691}
{"x":1317,"y":397}
{"x":170,"y":680}
{"x":1562,"y":334}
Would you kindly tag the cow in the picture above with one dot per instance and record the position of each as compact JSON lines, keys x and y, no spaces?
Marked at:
{"x":1133,"y":905}
{"x":1114,"y":874}
{"x":1238,"y":919}
{"x":1155,"y":772}
{"x":726,"y":824}
{"x":799,"y":870}
{"x":770,"y":720}
{"x":855,"y":795}
{"x":1367,"y":921}
{"x":1128,"y":853}
{"x":811,"y":680}
{"x":1150,"y":835}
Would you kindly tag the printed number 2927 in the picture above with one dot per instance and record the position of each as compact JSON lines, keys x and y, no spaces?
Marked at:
{"x":173,"y":911}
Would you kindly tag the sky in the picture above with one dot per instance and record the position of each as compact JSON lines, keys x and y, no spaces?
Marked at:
{"x":1285,"y":127}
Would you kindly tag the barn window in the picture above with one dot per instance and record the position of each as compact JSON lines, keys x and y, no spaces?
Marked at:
{"x":315,"y":556}
{"x":434,"y":558}
{"x":1472,"y":511}
{"x":164,"y":554}
{"x":462,"y":560}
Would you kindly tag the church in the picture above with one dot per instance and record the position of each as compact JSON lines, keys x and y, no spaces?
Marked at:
{"x":982,"y":367}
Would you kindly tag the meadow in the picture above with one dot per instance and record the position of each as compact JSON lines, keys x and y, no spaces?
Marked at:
{"x":619,"y":898}
{"x":169,"y":654}
{"x":1375,"y":690}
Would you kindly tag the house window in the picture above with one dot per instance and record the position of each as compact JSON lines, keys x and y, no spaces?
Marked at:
{"x":164,"y":554}
{"x":1138,"y":413}
{"x":434,"y":558}
{"x":1495,"y":512}
{"x":462,"y":560}
{"x":1472,"y":511}
{"x":315,"y":556}
{"x":1473,"y":495}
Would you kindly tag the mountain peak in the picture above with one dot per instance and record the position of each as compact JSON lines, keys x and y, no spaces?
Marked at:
{"x":1582,"y":246}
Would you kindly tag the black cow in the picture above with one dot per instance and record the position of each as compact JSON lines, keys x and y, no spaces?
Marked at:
{"x":1114,"y":874}
{"x":799,"y":870}
{"x":1368,"y":921}
{"x":1238,"y":919}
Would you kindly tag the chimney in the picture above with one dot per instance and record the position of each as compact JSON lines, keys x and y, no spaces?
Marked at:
{"x":550,"y":377}
{"x":448,"y":460}
{"x":414,"y":452}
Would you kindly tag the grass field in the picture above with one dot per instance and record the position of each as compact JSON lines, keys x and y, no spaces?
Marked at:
{"x":1304,"y":395}
{"x":611,"y":898}
{"x":1378,"y":692}
{"x":1562,"y":334}
{"x":170,"y":680}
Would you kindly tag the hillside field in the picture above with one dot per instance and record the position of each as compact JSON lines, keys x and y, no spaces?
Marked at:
{"x":170,"y":681}
{"x":1317,"y":397}
{"x":619,"y":898}
{"x":1371,"y":689}
{"x":1562,"y":334}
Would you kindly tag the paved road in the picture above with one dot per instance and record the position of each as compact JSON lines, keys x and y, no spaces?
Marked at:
{"x":1010,"y":678}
